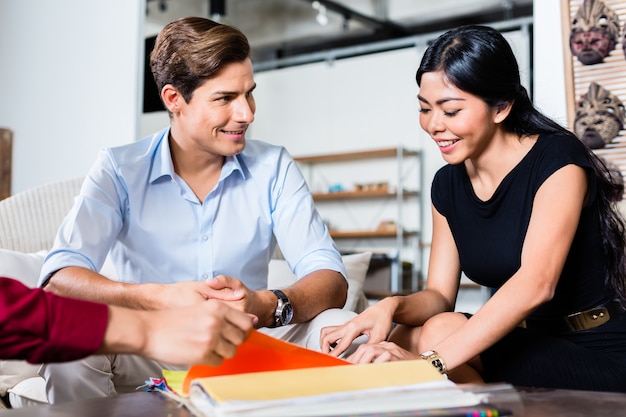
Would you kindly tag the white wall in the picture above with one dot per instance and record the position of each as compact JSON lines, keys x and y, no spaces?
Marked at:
{"x":345,"y":105}
{"x":549,"y":71}
{"x":70,"y":82}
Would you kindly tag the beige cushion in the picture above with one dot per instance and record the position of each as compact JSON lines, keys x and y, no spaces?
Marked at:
{"x":13,"y":371}
{"x":23,"y":267}
{"x":28,"y":393}
{"x":280,"y":276}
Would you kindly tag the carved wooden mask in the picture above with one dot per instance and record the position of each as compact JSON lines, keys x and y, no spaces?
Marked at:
{"x":595,"y":30}
{"x":599,"y":117}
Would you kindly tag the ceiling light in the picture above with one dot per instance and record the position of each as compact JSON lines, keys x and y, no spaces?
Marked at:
{"x":217,"y":9}
{"x":322,"y":17}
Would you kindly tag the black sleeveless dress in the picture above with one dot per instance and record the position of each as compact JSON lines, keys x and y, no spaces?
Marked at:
{"x":489,"y":236}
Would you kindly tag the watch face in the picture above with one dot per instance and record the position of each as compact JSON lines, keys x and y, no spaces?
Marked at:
{"x":287,"y":314}
{"x":427,"y":354}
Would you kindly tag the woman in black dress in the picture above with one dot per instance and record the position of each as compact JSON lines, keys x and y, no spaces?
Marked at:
{"x":523,"y":207}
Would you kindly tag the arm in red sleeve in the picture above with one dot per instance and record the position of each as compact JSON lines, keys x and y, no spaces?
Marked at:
{"x":42,"y":327}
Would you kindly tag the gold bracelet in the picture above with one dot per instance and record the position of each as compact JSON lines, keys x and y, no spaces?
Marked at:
{"x":435,"y":360}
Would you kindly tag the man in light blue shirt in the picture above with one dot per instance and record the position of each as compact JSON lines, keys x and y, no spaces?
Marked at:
{"x":192,"y":213}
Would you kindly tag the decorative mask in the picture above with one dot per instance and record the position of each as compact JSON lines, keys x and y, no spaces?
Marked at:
{"x":594,"y":34}
{"x":599,"y":117}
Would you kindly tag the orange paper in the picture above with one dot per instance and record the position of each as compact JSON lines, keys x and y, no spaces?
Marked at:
{"x":259,"y":353}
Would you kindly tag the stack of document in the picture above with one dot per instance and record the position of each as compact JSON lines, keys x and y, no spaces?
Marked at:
{"x":272,"y":378}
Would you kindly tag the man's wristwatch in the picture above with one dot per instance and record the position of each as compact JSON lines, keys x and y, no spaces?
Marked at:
{"x":284,"y":310}
{"x":434,"y":359}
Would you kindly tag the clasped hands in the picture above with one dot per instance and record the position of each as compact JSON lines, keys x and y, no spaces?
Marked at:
{"x":231,"y":291}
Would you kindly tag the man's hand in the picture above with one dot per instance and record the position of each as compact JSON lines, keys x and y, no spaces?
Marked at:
{"x":232,"y":291}
{"x":188,"y":293}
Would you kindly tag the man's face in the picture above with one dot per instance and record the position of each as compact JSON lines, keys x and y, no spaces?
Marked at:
{"x":219,"y":113}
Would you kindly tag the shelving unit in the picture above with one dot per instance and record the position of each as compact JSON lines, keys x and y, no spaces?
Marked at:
{"x":396,"y":181}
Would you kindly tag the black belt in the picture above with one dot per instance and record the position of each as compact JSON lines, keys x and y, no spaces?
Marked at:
{"x":582,"y":320}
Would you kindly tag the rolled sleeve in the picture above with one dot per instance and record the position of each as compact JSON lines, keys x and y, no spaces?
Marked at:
{"x":42,"y":327}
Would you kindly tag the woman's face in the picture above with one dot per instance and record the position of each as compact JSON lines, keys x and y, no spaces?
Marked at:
{"x":461,"y":124}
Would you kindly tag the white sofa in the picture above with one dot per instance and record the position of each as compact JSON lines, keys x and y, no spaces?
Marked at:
{"x":28,"y":223}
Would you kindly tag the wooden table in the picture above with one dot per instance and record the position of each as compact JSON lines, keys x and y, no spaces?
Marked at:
{"x":534,"y":403}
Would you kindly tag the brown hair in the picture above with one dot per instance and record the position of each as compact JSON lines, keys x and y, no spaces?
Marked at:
{"x":190,"y":50}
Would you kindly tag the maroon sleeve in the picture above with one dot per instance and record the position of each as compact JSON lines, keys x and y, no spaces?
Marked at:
{"x":42,"y":327}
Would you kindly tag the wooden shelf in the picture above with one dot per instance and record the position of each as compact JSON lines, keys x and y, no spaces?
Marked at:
{"x":387,"y":194}
{"x":359,"y":234}
{"x":347,"y":156}
{"x":355,"y":195}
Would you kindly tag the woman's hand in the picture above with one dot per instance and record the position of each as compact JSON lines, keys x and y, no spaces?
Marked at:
{"x":375,"y":322}
{"x":381,"y":352}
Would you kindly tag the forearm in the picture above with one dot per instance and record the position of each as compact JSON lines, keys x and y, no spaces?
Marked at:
{"x":495,"y":319}
{"x":416,"y":308}
{"x":309,"y":296}
{"x":85,"y":284}
{"x":126,"y":331}
{"x":317,"y":292}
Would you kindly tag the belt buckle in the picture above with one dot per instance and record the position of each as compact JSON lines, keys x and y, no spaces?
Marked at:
{"x":588,"y":319}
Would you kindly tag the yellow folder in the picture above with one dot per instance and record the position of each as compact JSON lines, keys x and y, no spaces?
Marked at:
{"x":295,"y":383}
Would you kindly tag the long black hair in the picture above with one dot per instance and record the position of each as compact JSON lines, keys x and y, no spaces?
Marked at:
{"x":480,"y":61}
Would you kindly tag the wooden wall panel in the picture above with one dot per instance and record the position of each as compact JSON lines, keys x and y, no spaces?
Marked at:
{"x":6,"y":153}
{"x":610,"y":74}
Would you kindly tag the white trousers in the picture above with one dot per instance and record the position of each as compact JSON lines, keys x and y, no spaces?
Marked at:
{"x":106,"y":375}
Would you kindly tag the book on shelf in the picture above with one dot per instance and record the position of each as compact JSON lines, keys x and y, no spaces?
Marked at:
{"x":269,"y":377}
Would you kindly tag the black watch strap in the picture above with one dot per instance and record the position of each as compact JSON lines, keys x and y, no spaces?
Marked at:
{"x":284,"y":310}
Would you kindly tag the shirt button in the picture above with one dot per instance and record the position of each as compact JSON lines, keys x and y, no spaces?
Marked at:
{"x":205,"y":238}
{"x":205,"y":276}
